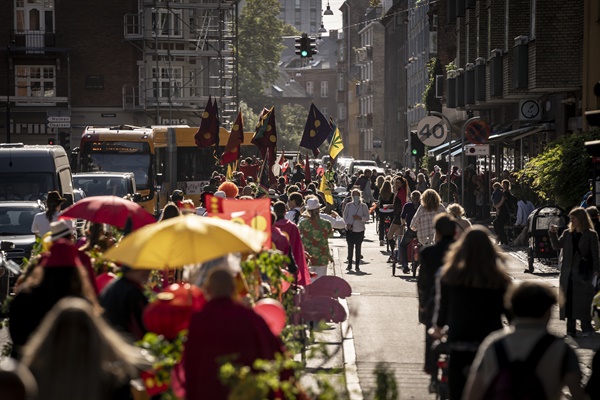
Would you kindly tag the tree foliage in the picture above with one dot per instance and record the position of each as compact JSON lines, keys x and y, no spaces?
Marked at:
{"x":259,"y":50}
{"x":434,"y":68}
{"x":290,"y":30}
{"x":290,"y":120}
{"x":560,"y":174}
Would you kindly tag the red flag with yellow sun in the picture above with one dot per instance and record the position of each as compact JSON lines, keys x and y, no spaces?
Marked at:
{"x":236,"y":138}
{"x":254,"y":213}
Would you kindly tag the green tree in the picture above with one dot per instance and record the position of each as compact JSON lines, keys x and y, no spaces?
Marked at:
{"x":290,"y":120}
{"x":434,"y":68}
{"x":560,"y":174}
{"x":290,"y":30}
{"x":250,"y":117}
{"x":259,"y":50}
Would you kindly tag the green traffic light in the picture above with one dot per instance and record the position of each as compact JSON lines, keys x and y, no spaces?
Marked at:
{"x":304,"y":53}
{"x":414,"y":152}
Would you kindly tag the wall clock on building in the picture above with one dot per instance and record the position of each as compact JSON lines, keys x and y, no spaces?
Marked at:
{"x":529,"y":110}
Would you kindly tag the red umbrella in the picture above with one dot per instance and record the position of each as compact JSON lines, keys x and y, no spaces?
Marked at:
{"x":111,"y":210}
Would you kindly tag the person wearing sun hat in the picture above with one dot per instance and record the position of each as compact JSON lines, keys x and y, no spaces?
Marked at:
{"x":315,"y":233}
{"x":42,"y":220}
{"x":59,"y":274}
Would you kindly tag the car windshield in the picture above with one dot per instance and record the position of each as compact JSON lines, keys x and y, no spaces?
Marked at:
{"x":25,"y":186}
{"x":16,"y":220}
{"x":101,"y":185}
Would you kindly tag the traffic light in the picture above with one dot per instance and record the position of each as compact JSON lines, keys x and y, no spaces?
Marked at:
{"x":312,"y":47}
{"x":52,"y":141}
{"x":417,"y":148}
{"x":302,"y":45}
{"x":64,"y":140}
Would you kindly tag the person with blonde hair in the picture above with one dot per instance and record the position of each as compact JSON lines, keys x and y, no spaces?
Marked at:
{"x":75,"y":355}
{"x":462,"y":224}
{"x":469,"y":301}
{"x":579,"y":261}
{"x":422,"y":222}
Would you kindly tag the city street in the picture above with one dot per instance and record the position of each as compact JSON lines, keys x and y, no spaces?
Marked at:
{"x":384,"y":324}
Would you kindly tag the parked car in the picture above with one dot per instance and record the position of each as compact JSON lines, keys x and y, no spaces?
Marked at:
{"x":119,"y":184}
{"x":361,"y":165}
{"x":16,"y":218}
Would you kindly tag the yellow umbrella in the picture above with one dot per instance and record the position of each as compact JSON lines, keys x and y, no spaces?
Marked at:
{"x":184,"y":240}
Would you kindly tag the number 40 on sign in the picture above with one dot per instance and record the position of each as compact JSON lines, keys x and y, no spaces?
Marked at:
{"x":432,"y":131}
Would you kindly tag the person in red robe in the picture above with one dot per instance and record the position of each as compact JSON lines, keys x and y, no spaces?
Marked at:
{"x":293,"y":234}
{"x":223,"y":329}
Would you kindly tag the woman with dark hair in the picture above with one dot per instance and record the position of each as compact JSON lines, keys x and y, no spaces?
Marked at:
{"x":59,"y":274}
{"x":469,"y":301}
{"x":356,"y":214}
{"x":41,"y":221}
{"x":75,"y":355}
{"x":401,"y":193}
{"x":386,"y":197}
{"x":579,"y":261}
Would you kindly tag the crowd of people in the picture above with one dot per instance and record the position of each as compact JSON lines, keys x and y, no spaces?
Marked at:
{"x":62,"y":316}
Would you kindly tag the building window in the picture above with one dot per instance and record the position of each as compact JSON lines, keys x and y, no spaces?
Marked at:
{"x":341,"y":82}
{"x":168,"y":82}
{"x":341,"y":114}
{"x":324,"y":89}
{"x":533,"y":10}
{"x":167,"y":23}
{"x":35,"y":81}
{"x":310,"y":88}
{"x":297,"y":5}
{"x":34,"y":15}
{"x":325,"y":112}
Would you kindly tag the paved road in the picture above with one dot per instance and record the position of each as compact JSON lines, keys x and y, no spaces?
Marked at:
{"x":383,"y":317}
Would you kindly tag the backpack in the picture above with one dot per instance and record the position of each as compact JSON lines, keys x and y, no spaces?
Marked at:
{"x":517,"y":380}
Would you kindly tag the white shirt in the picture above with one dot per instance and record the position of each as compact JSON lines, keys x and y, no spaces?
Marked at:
{"x":41,"y":225}
{"x":524,"y":208}
{"x":351,"y":209}
{"x":336,"y":223}
{"x":290,"y":215}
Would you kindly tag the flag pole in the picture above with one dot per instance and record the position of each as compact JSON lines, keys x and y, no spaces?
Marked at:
{"x":262,"y":168}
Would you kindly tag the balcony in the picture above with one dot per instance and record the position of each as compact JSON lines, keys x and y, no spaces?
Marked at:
{"x":34,"y":42}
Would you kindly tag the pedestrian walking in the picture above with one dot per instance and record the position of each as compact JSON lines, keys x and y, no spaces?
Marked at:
{"x":386,"y":197}
{"x":408,"y":212}
{"x":422,"y":221}
{"x":291,"y":231}
{"x":75,"y":355}
{"x":356,"y":214}
{"x":432,"y":259}
{"x":462,"y":224}
{"x":401,"y":192}
{"x":525,"y":362}
{"x":315,"y":233}
{"x":579,"y":261}
{"x":500,"y":198}
{"x":469,"y":301}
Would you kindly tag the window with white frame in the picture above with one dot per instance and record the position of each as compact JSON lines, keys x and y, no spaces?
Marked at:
{"x":324,"y":89}
{"x":35,"y":81}
{"x":341,"y":82}
{"x":168,"y":82}
{"x":310,"y":89}
{"x":325,"y":112}
{"x":167,"y":23}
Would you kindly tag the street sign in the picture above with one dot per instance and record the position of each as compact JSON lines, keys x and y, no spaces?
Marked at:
{"x":477,"y":149}
{"x":58,"y":119}
{"x":478,"y":131}
{"x":59,"y":125}
{"x":432,"y":131}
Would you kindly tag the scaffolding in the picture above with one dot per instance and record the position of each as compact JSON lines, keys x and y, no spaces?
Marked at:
{"x":188,"y":53}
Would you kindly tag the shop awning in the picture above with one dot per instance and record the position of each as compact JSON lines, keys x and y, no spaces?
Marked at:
{"x":513,"y":135}
{"x":442,"y":147}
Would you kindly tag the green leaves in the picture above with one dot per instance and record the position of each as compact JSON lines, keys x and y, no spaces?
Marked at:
{"x":560,"y":174}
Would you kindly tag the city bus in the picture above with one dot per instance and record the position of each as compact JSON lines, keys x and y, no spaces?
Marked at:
{"x":122,"y":149}
{"x":180,"y":164}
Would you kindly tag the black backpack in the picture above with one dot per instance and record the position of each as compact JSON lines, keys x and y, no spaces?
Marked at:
{"x":517,"y":380}
{"x":296,"y":216}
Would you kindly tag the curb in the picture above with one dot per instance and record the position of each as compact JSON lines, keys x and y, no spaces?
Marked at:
{"x":348,"y":348}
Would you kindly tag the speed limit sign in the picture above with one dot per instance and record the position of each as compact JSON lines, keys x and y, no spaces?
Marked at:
{"x":432,"y":131}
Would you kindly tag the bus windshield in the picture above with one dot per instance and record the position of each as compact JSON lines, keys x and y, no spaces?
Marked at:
{"x":119,"y":157}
